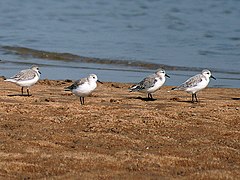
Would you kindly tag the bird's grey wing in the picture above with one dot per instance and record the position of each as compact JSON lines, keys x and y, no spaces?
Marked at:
{"x":148,"y":82}
{"x":24,"y":75}
{"x":191,"y":82}
{"x":144,"y":84}
{"x":77,"y":83}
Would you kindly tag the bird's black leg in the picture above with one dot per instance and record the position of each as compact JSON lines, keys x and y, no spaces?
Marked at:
{"x":193,"y":98}
{"x":150,"y":96}
{"x":196,"y":97}
{"x":82,"y":100}
{"x":28,"y":92}
{"x":22,"y":90}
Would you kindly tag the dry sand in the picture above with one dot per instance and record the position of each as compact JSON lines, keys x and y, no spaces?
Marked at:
{"x":117,"y":134}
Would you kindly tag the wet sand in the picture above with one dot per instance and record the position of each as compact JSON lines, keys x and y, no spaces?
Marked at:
{"x":118,"y":134}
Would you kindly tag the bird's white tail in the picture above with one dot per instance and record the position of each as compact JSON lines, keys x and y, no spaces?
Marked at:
{"x":134,"y":88}
{"x":10,"y":80}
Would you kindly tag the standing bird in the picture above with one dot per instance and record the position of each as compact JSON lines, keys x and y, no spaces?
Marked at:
{"x":151,"y":83}
{"x":84,"y":87}
{"x":26,"y":78}
{"x":196,"y":83}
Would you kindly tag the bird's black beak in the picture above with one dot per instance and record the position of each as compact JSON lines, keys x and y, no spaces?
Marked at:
{"x":212,"y":77}
{"x":99,"y":81}
{"x":39,"y":72}
{"x":167,"y":75}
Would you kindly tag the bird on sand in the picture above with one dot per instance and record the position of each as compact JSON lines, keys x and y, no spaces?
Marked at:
{"x":26,"y":78}
{"x":196,"y":83}
{"x":151,"y":83}
{"x":84,"y":87}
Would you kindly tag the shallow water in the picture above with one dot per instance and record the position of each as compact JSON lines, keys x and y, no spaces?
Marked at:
{"x":125,"y":40}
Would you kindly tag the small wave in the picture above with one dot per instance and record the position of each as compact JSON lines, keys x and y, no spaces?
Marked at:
{"x":218,"y":52}
{"x":68,"y":57}
{"x":23,"y":51}
{"x":234,"y":38}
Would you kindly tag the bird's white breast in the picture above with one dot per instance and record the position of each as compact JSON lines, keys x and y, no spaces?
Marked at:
{"x":157,"y":85}
{"x":84,"y":89}
{"x":201,"y":85}
{"x":28,"y":83}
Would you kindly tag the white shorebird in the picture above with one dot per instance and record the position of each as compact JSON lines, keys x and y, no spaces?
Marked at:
{"x":151,"y":83}
{"x":84,"y":87}
{"x":26,"y":78}
{"x":196,"y":83}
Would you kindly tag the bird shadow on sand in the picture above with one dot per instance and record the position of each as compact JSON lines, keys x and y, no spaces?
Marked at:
{"x":142,"y":98}
{"x":13,"y":95}
{"x":184,"y":101}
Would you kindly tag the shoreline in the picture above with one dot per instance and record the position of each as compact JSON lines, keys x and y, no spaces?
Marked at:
{"x":126,"y":69}
{"x":118,"y":134}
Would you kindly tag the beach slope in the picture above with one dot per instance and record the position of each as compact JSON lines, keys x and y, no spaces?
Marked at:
{"x":118,"y":134}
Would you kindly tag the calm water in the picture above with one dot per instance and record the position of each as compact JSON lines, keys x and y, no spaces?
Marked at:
{"x":186,"y":35}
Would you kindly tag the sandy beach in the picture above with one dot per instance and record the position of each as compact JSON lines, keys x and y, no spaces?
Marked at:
{"x":118,"y":134}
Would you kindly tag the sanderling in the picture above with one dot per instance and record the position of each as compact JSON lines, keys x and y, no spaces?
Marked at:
{"x":26,"y":78}
{"x":196,"y":83}
{"x":84,"y":87}
{"x":151,"y":83}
